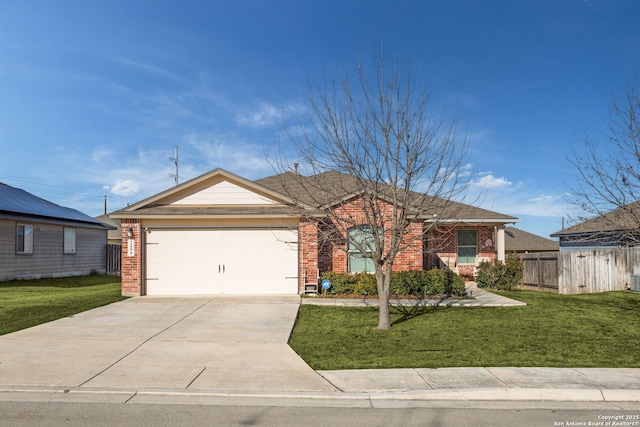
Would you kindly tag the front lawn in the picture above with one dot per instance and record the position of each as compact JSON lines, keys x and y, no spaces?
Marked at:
{"x":26,"y":303}
{"x":592,"y":330}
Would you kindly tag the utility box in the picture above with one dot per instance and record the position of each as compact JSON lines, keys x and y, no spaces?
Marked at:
{"x":635,"y":282}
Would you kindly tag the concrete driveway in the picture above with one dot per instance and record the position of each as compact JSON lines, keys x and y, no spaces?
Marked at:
{"x":222,"y":343}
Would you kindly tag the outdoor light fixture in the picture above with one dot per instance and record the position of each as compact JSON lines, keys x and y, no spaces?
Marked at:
{"x":130,"y":232}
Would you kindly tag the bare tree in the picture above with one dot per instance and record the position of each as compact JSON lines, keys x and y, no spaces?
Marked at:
{"x":607,"y":173}
{"x":375,"y":162}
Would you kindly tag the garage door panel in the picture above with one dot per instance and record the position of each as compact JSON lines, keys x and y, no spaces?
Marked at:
{"x":250,"y":261}
{"x":261,"y":261}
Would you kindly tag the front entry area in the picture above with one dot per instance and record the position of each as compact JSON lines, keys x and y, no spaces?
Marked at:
{"x":221,"y":261}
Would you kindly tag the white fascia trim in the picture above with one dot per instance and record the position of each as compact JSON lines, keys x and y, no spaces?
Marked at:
{"x":473,"y":221}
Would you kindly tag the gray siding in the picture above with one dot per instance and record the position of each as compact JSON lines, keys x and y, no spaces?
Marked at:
{"x":48,"y":259}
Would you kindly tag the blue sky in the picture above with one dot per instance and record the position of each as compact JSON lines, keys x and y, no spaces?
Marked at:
{"x":94,"y":95}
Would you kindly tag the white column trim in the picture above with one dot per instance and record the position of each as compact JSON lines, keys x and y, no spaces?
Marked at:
{"x":500,"y":248}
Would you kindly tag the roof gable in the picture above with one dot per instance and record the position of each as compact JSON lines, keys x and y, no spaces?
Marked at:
{"x":223,"y":192}
{"x":215,"y":192}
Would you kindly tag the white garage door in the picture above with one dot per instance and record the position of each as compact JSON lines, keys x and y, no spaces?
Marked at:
{"x":219,"y":261}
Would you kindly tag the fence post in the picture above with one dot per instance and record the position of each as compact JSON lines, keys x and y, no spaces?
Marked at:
{"x":539,"y":272}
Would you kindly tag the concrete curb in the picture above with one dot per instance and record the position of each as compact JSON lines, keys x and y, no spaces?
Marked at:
{"x":338,"y":399}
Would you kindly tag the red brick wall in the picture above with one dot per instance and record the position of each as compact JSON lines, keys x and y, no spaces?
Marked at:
{"x":412,"y":257}
{"x":331,"y":255}
{"x":131,"y":265}
{"x":307,"y":253}
{"x":441,"y":247}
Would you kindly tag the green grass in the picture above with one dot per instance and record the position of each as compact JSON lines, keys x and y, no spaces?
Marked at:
{"x":592,"y":330}
{"x":26,"y":303}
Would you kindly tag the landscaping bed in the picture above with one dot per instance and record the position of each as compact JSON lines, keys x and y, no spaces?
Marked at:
{"x":420,"y":284}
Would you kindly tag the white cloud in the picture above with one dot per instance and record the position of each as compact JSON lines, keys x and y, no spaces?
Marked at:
{"x":518,"y":200}
{"x":125,"y":187}
{"x":231,"y":153}
{"x":102,"y":156}
{"x":147,"y":68}
{"x":490,"y":181}
{"x":466,"y":170}
{"x":264,"y":115}
{"x":542,"y":198}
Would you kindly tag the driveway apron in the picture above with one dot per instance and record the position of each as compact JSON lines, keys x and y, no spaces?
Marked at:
{"x":217,"y":343}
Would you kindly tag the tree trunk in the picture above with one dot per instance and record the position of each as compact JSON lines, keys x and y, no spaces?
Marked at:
{"x":384,"y":288}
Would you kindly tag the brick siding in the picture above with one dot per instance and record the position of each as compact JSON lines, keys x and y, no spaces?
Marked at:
{"x":131,"y":265}
{"x":441,"y":249}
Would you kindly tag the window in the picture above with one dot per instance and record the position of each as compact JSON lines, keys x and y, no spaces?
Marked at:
{"x":69,"y":240}
{"x":467,"y":246}
{"x":358,"y":263}
{"x":24,"y":239}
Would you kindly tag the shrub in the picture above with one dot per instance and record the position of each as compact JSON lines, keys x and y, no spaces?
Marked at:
{"x":454,"y":284}
{"x":341,"y":283}
{"x":365,"y":284}
{"x":500,"y":275}
{"x":414,"y":282}
{"x":434,"y":284}
{"x":408,"y":282}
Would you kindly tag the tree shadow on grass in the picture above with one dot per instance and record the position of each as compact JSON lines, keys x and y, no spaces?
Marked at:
{"x":412,"y":309}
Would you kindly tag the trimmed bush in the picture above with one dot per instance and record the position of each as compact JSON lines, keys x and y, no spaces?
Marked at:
{"x":365,"y":284}
{"x":454,"y":284}
{"x":503,"y":276}
{"x":340,"y":283}
{"x":419,"y":283}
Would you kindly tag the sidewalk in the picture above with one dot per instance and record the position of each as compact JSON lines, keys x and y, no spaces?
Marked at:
{"x":486,"y":388}
{"x":489,"y":384}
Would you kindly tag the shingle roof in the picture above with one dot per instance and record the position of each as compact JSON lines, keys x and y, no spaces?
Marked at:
{"x":622,"y":219}
{"x":519,"y":241}
{"x":311,"y":193}
{"x":329,"y":188}
{"x":14,"y":201}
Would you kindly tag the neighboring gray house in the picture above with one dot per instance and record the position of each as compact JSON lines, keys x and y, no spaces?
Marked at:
{"x":523,"y":242}
{"x":41,"y":239}
{"x":618,"y":228}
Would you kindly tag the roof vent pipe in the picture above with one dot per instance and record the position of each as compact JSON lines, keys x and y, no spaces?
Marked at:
{"x":295,"y":167}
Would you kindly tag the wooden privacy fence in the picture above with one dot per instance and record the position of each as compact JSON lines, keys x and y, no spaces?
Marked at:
{"x":581,"y":271}
{"x":540,"y":271}
{"x":114,"y":257}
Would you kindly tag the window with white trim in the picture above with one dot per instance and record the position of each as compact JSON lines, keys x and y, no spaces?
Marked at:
{"x":69,"y":240}
{"x":467,"y":246}
{"x":24,"y":239}
{"x":360,"y":237}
